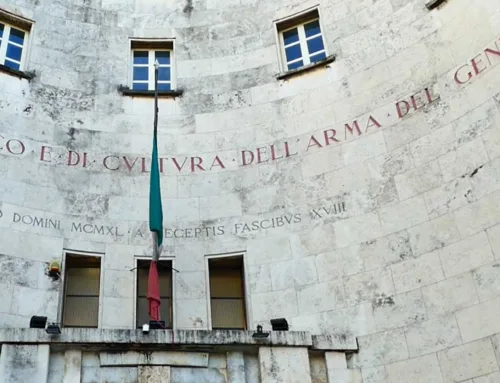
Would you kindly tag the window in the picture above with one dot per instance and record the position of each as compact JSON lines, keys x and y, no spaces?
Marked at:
{"x":144,"y":56}
{"x":165,"y":281}
{"x":227,"y":293}
{"x":81,"y":292}
{"x":301,"y":41}
{"x":13,"y":45}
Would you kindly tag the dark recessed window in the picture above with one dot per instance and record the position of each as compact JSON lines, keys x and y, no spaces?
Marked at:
{"x":81,"y":291}
{"x":165,"y":281}
{"x":227,"y":293}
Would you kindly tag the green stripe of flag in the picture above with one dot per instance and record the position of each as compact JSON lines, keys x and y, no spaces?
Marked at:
{"x":155,"y":208}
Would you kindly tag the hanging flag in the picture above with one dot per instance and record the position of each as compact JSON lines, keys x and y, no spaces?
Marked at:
{"x":155,"y":218}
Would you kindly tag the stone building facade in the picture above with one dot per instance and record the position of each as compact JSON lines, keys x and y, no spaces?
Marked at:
{"x":345,"y":152}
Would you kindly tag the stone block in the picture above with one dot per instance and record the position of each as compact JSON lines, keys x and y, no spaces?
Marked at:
{"x":293,"y":273}
{"x":118,"y":283}
{"x":386,"y":250}
{"x":448,"y":197}
{"x":467,"y":361}
{"x":190,"y":285}
{"x":369,"y":285}
{"x":335,"y":360}
{"x":418,"y":272}
{"x":192,"y":313}
{"x":399,"y":310}
{"x":318,"y":369}
{"x":478,"y":321}
{"x":259,"y":278}
{"x":487,"y":279}
{"x":319,"y":297}
{"x":339,"y":263}
{"x":433,"y":235}
{"x":284,"y":364}
{"x":450,"y":295}
{"x":466,"y":255}
{"x":490,"y":378}
{"x":117,"y":313}
{"x":494,"y":239}
{"x":357,"y":229}
{"x":154,"y":374}
{"x":276,"y":304}
{"x":24,"y":363}
{"x":432,"y":335}
{"x":374,"y":375}
{"x":336,"y":341}
{"x":418,"y":180}
{"x":381,"y":348}
{"x":72,"y":366}
{"x":235,"y":367}
{"x":364,"y":148}
{"x":424,"y":369}
{"x":402,"y":215}
{"x":464,"y":159}
{"x":197,"y":375}
{"x":357,"y":319}
{"x":268,"y":250}
{"x":479,"y":215}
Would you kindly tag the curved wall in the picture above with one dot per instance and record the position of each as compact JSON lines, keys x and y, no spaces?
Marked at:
{"x":364,"y":193}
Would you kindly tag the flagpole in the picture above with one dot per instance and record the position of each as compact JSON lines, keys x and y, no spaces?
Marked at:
{"x":156,"y":252}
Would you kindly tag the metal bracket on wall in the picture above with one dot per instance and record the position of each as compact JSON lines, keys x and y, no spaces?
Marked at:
{"x":431,"y":4}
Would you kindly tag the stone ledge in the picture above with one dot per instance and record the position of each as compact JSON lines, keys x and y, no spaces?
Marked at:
{"x":431,"y":4}
{"x":135,"y":339}
{"x":17,"y":73}
{"x":334,"y":342}
{"x":126,"y":91}
{"x":305,"y":68}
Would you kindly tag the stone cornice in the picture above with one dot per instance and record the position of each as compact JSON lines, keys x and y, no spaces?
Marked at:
{"x":182,"y":339}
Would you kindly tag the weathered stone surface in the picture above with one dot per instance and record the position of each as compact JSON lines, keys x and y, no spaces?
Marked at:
{"x":364,"y":194}
{"x":284,"y":365}
{"x":154,"y":374}
{"x":22,"y":363}
{"x":468,"y":361}
{"x":171,"y":358}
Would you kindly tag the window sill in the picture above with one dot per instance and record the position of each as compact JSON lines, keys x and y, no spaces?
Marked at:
{"x":431,"y":4}
{"x":17,"y":73}
{"x":306,"y":68}
{"x":126,"y":91}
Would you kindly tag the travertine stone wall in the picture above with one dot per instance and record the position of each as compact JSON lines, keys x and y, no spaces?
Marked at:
{"x":373,"y":211}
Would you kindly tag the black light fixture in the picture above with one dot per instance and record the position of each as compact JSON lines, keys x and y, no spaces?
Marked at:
{"x":259,"y":334}
{"x":279,"y":324}
{"x":38,"y":321}
{"x":53,"y":329}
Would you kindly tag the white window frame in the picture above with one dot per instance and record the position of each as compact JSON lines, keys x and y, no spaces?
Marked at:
{"x":62,"y":294}
{"x":303,"y":17}
{"x":151,"y":61}
{"x":143,"y":258}
{"x":246,"y":296}
{"x":5,"y":42}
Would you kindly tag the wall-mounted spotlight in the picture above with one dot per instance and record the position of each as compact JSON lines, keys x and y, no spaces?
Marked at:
{"x":279,"y":324}
{"x":259,"y":334}
{"x":38,"y":321}
{"x":53,"y":329}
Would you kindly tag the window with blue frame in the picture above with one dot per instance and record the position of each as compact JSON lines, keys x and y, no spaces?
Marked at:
{"x":13,"y":41}
{"x":143,"y":67}
{"x":301,"y":41}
